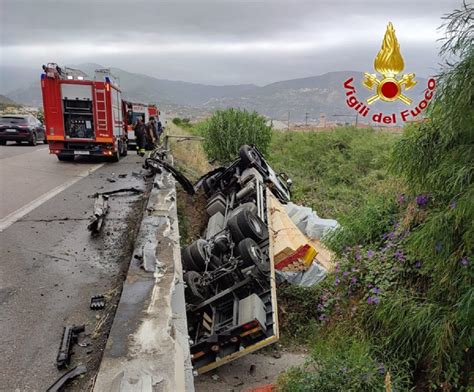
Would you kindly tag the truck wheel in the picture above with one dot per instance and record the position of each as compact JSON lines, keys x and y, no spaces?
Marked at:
{"x":196,"y":292}
{"x":246,"y":224}
{"x":116,"y":156}
{"x":34,"y":140}
{"x":249,"y":156}
{"x":187,"y":259}
{"x":198,"y":254}
{"x":250,"y":252}
{"x":65,"y":158}
{"x":125,"y":149}
{"x":3,"y":142}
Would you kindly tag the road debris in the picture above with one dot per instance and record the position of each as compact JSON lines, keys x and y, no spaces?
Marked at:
{"x":70,"y":335}
{"x":101,"y":207}
{"x":66,"y":377}
{"x":97,"y":302}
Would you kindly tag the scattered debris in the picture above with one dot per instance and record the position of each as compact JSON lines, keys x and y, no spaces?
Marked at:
{"x":121,"y":190}
{"x":97,"y":302}
{"x":110,"y":180}
{"x":122,"y":175}
{"x":276,"y":354}
{"x":70,"y":335}
{"x":215,"y":377}
{"x":61,"y":382}
{"x":101,"y":208}
{"x":83,"y":344}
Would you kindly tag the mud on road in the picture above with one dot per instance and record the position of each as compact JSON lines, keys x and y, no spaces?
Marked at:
{"x":51,"y":267}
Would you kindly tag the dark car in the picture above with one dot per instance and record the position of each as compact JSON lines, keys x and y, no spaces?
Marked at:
{"x":21,"y":128}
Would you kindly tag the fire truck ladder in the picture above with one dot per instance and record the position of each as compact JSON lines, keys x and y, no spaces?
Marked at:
{"x":101,"y":110}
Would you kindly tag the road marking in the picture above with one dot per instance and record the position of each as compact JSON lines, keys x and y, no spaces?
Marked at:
{"x":27,"y":208}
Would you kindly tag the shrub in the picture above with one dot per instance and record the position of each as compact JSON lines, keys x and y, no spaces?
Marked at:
{"x":227,"y":130}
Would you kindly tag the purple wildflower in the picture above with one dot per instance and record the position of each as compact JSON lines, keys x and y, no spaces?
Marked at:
{"x":357,"y":256}
{"x":345,"y":273}
{"x":370,"y":285}
{"x":324,"y":298}
{"x":399,"y":255}
{"x":391,"y":235}
{"x":464,"y":261}
{"x":370,"y":253}
{"x":401,"y":199}
{"x":323,"y":318}
{"x":353,"y":280}
{"x":376,"y":290}
{"x":422,"y":200}
{"x":320,"y":307}
{"x":418,"y":264}
{"x":337,"y":267}
{"x":337,"y":281}
{"x":370,"y":300}
{"x":452,"y":205}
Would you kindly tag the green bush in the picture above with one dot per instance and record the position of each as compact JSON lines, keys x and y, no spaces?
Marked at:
{"x":227,"y":130}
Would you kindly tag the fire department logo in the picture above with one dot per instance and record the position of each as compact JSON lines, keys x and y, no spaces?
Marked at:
{"x":389,"y":63}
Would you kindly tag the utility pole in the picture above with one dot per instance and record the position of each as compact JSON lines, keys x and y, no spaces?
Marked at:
{"x":306,"y":118}
{"x":288,"y":120}
{"x":349,"y":115}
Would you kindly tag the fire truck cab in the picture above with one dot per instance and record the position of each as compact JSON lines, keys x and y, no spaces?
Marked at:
{"x":83,"y":116}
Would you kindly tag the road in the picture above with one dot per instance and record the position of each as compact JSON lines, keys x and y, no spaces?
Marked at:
{"x":50,"y":265}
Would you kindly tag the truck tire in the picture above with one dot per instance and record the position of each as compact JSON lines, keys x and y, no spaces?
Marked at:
{"x":187,"y":259}
{"x":249,"y":156}
{"x":3,"y":142}
{"x":116,"y":156}
{"x":250,"y":252}
{"x":195,"y":291}
{"x":246,"y":224}
{"x":125,"y":149}
{"x":65,"y":158}
{"x":198,"y":254}
{"x":34,"y":139}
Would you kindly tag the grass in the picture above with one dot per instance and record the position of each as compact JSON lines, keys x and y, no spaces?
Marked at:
{"x":334,"y":171}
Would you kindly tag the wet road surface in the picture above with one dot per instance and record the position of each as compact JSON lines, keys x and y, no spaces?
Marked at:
{"x":50,"y":265}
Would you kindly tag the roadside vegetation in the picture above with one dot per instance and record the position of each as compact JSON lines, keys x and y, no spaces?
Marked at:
{"x":396,"y":314}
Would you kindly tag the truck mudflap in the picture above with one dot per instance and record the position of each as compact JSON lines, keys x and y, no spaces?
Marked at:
{"x":229,"y":275}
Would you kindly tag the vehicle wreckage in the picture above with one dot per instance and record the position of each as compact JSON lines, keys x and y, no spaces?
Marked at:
{"x":229,"y":273}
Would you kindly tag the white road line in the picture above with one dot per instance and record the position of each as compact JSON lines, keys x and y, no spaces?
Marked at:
{"x":22,"y":211}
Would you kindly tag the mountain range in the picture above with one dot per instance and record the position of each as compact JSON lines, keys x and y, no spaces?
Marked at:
{"x":304,"y":97}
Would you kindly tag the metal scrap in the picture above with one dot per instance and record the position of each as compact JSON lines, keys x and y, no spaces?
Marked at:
{"x":97,"y":302}
{"x":61,"y":382}
{"x":101,"y":208}
{"x":70,"y":335}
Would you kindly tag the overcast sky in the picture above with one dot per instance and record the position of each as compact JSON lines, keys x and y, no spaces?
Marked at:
{"x":221,"y":41}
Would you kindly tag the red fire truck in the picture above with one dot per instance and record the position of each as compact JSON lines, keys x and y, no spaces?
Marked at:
{"x":83,"y":116}
{"x":134,"y":112}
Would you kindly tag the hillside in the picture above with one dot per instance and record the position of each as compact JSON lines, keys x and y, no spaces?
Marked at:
{"x":312,"y":95}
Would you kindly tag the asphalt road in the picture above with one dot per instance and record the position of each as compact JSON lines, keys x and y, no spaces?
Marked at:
{"x":50,"y":265}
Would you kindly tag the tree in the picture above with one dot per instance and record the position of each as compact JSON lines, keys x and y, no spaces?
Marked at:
{"x":229,"y":129}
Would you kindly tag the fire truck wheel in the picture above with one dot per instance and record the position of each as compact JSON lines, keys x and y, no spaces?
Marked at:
{"x":116,"y":156}
{"x":34,"y":140}
{"x":250,"y":252}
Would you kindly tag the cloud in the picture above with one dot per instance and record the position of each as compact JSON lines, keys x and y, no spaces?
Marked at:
{"x":218,"y":41}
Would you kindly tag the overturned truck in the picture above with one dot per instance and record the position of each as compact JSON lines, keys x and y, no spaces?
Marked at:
{"x":229,"y":273}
